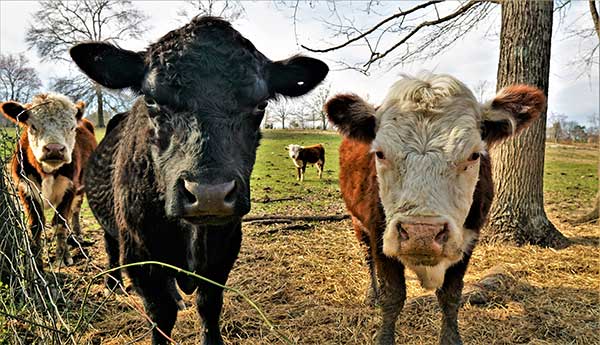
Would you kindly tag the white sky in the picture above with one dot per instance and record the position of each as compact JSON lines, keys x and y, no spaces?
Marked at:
{"x":270,"y":27}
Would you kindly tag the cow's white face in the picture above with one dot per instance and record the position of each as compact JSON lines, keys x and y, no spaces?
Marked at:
{"x":427,"y":139}
{"x":51,"y":122}
{"x":427,"y":146}
{"x":294,"y":151}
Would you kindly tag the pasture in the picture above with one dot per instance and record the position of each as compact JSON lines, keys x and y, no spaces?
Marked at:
{"x":310,"y":278}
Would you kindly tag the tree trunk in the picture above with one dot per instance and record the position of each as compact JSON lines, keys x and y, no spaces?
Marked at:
{"x":100,"y":101}
{"x":517,"y":213}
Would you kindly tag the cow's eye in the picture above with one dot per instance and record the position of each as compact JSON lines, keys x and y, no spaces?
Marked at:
{"x":150,"y":102}
{"x":260,"y":108}
{"x":474,"y":156}
{"x":380,"y":155}
{"x":33,"y":128}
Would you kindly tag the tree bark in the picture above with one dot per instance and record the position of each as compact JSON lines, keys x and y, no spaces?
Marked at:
{"x":517,"y":214}
{"x":100,"y":102}
{"x":595,"y":16}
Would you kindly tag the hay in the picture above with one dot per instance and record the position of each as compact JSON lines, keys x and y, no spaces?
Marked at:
{"x":312,"y":285}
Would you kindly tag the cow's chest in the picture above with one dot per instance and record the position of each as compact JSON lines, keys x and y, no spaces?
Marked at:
{"x":50,"y":191}
{"x":298,"y":163}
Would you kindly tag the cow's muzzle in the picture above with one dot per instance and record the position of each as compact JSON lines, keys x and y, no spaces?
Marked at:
{"x":53,"y":153}
{"x":205,"y":201}
{"x":422,"y":240}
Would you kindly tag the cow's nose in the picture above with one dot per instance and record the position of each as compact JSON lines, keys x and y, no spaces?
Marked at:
{"x":423,"y":237}
{"x":208,"y":200}
{"x":54,"y":148}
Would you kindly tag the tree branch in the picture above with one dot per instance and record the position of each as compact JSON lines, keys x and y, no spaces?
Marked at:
{"x":377,"y":26}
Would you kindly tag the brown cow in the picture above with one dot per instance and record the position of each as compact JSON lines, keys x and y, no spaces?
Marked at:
{"x":302,"y":155}
{"x":416,"y":178}
{"x":48,"y":164}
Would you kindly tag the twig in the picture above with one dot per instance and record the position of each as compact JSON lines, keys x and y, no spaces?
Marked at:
{"x":289,"y":219}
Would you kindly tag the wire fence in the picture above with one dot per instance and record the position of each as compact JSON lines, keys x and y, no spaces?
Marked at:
{"x":53,"y":305}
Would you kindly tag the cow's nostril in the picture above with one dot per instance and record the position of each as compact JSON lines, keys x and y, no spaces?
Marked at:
{"x":231,"y":195}
{"x":403,"y":233}
{"x":189,"y":196}
{"x":442,"y":236}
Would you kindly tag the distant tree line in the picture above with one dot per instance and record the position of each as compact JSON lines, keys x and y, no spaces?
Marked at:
{"x":562,"y":130}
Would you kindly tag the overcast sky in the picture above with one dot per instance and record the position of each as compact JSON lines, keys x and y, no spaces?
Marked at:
{"x":269,"y":26}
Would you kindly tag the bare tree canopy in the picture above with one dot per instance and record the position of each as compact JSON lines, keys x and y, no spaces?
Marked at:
{"x":18,"y":81}
{"x":409,"y":34}
{"x":314,"y":102}
{"x":230,"y":10}
{"x":80,"y":88}
{"x":58,"y":25}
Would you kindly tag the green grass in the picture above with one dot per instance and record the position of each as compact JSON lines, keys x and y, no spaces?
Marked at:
{"x":274,"y":176}
{"x":570,"y":176}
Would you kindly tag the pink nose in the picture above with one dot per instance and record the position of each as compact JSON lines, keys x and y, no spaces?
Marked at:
{"x":54,"y":148}
{"x":423,"y":238}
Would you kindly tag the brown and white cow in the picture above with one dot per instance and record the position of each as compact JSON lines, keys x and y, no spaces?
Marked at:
{"x":416,"y":178}
{"x":48,"y":164}
{"x":302,"y":155}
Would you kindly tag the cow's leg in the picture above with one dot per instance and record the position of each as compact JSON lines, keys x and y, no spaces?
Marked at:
{"x":373,"y":292}
{"x":35,"y":218}
{"x":61,"y":229}
{"x":299,"y":173}
{"x":303,"y":171}
{"x":393,"y":295}
{"x":221,"y":248}
{"x":111,"y":245}
{"x":75,"y":225}
{"x":319,"y":166}
{"x":449,"y":296}
{"x":154,"y":285}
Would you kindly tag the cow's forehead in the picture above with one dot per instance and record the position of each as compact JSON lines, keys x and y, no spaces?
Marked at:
{"x":52,"y":109}
{"x":451,"y":129}
{"x":434,"y":113}
{"x":203,"y":61}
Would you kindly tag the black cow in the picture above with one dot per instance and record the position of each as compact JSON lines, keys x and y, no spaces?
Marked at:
{"x":172,"y":175}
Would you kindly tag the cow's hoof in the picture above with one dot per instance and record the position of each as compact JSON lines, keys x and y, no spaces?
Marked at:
{"x":385,"y":338}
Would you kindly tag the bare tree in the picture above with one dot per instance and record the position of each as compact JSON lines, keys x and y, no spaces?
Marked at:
{"x":482,"y":90}
{"x":314,"y":102}
{"x":79,"y":87}
{"x":231,"y":10}
{"x":418,"y":32}
{"x":281,"y":110}
{"x":18,"y":81}
{"x":59,"y":25}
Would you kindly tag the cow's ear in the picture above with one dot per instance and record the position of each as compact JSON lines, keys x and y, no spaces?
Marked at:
{"x":14,"y":111}
{"x":354,"y":117}
{"x":296,"y":75}
{"x":513,"y":109}
{"x":110,"y":66}
{"x":80,"y":105}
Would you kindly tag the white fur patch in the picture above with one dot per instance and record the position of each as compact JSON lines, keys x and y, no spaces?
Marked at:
{"x":53,"y":189}
{"x":432,"y":277}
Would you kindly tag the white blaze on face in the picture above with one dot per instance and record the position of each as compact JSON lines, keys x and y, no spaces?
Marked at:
{"x":52,"y":120}
{"x":294,"y":151}
{"x":427,"y":134}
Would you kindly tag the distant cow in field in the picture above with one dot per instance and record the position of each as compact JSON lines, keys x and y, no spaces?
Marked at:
{"x":416,"y":178}
{"x":48,"y":164}
{"x":302,"y":155}
{"x":172,"y":175}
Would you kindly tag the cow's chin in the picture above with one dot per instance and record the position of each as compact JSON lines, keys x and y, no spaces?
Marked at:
{"x":51,"y":165}
{"x":419,"y":260}
{"x":211,"y":220}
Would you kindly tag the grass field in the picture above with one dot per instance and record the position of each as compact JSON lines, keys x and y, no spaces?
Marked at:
{"x":311,"y":281}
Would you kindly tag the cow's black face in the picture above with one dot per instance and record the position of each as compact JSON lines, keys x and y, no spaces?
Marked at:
{"x":203,"y":159}
{"x":205,"y":89}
